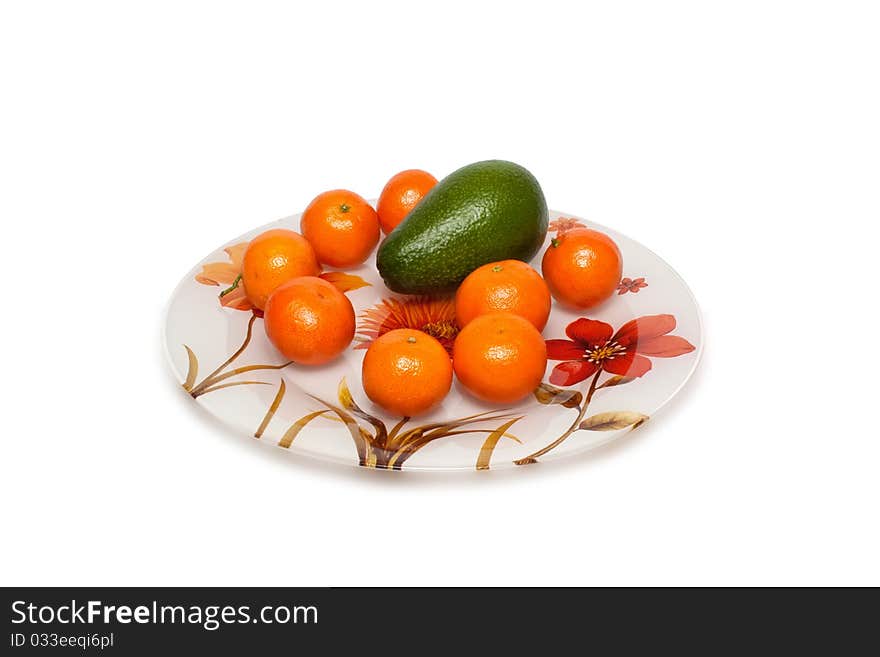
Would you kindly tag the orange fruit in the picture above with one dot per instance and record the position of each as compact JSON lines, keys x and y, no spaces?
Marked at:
{"x":499,"y":357}
{"x":582,"y":267}
{"x":273,"y":258}
{"x":342,"y":227}
{"x":406,"y":372}
{"x":309,"y":320}
{"x":401,"y":194}
{"x":505,"y":286}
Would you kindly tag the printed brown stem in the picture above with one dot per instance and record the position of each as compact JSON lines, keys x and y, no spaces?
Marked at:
{"x":272,"y":408}
{"x":532,"y":458}
{"x":234,"y":383}
{"x":201,"y":389}
{"x":209,"y":380}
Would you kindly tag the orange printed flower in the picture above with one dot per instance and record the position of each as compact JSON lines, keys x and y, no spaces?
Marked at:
{"x":631,"y":285}
{"x":564,"y":224}
{"x":229,"y":274}
{"x":436,"y":317}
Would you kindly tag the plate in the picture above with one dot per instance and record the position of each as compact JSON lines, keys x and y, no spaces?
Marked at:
{"x":217,"y":348}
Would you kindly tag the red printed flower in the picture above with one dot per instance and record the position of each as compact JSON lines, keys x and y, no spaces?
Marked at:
{"x":631,"y":285}
{"x":593,"y":347}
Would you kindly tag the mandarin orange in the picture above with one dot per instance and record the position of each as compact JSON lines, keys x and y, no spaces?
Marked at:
{"x":499,"y":357}
{"x":582,"y":267}
{"x":505,"y":286}
{"x":342,"y":228}
{"x":309,"y":320}
{"x":401,"y":194}
{"x":406,"y":372}
{"x":272,"y":258}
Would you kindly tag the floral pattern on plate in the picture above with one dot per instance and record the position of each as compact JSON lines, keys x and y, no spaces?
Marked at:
{"x":323,"y":411}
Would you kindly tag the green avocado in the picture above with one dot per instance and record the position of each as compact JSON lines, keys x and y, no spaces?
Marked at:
{"x":481,"y":213}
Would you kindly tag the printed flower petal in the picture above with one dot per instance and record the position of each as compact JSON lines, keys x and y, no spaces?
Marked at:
{"x":571,"y":372}
{"x":629,"y":365}
{"x":344,"y":282}
{"x":434,"y":316}
{"x":564,"y":350}
{"x":621,"y":362}
{"x":564,"y":224}
{"x":215,"y":273}
{"x":639,"y":281}
{"x":236,"y":253}
{"x":236,"y":299}
{"x":590,"y":332}
{"x":644,"y":328}
{"x":665,"y":346}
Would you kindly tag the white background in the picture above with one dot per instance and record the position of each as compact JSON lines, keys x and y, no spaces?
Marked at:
{"x":738,"y":140}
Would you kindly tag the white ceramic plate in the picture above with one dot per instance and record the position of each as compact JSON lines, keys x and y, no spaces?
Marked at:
{"x":301,"y":409}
